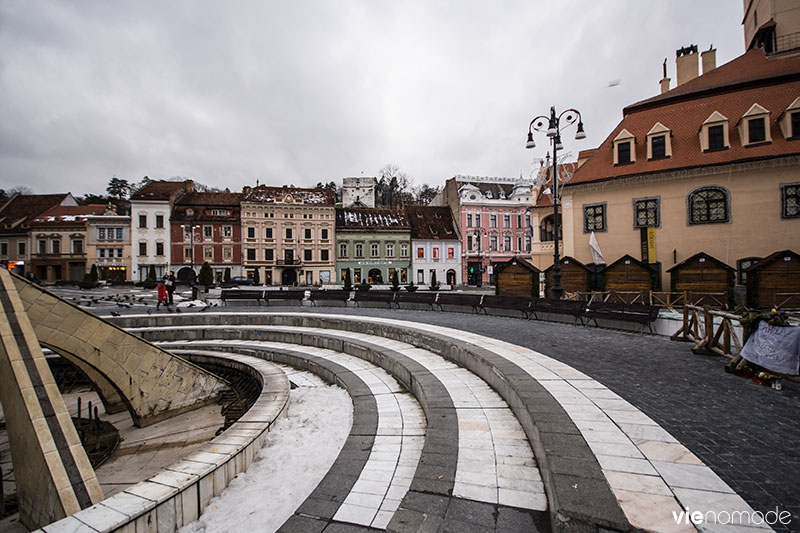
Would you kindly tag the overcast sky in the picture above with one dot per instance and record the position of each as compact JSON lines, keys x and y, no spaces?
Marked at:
{"x":299,"y":92}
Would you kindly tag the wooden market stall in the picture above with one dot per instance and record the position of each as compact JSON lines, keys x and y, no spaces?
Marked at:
{"x":704,"y":279}
{"x":628,"y":274}
{"x":575,"y":276}
{"x":774,"y":281}
{"x":517,"y":277}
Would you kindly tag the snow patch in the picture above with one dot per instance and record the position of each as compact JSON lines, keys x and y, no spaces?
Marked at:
{"x":297,"y":454}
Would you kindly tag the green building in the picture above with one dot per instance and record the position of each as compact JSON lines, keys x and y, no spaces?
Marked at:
{"x":373,"y":244}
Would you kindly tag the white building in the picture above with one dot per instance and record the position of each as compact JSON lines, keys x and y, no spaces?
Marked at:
{"x":435,"y":245}
{"x":150,"y":228}
{"x":358,"y":192}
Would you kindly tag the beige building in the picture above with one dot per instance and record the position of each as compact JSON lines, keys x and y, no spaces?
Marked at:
{"x":712,"y":165}
{"x":288,"y":235}
{"x":58,"y":242}
{"x":108,"y":246}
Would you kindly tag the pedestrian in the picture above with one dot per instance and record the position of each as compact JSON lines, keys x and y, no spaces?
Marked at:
{"x":163,"y":297}
{"x":170,"y":285}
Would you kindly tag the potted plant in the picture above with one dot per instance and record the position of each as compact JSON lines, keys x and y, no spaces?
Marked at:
{"x":348,"y":285}
{"x":395,"y":282}
{"x":434,"y":286}
{"x":411,"y":287}
{"x":150,"y":280}
{"x":256,"y":278}
{"x":226,"y":277}
{"x":363,"y":286}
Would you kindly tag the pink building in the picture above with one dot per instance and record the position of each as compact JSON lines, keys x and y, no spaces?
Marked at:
{"x":493,"y":221}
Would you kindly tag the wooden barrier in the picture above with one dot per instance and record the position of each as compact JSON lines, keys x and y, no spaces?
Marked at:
{"x":707,"y":340}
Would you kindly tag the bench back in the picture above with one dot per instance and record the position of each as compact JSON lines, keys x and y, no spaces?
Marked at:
{"x":284,"y":295}
{"x":416,"y":297}
{"x":336,"y":294}
{"x":473,"y":300}
{"x":509,"y":302}
{"x":242,"y":294}
{"x":374,"y":296}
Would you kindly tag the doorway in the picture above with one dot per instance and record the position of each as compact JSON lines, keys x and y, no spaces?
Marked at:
{"x":288,"y":277}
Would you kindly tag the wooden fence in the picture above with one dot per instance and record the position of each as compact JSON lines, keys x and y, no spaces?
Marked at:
{"x":698,"y":327}
{"x":672,"y":300}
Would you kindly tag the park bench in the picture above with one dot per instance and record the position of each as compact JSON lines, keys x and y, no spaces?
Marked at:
{"x":329,"y":296}
{"x":641,"y":314}
{"x":465,"y":300}
{"x":573,"y":308}
{"x":242,"y":294}
{"x":386,"y":297}
{"x":405,"y":297}
{"x":285,"y":296}
{"x":514,"y":303}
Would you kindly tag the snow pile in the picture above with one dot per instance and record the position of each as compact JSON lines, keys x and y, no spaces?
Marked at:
{"x":299,"y":451}
{"x":191,"y":303}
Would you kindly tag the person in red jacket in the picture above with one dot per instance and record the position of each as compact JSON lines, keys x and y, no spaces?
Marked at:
{"x":163,"y":296}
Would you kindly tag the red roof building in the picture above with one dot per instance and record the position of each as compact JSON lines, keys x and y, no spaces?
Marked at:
{"x":710,"y":166}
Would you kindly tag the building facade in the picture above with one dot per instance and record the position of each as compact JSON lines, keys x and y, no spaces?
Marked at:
{"x":108,"y":246}
{"x":16,"y":215}
{"x":712,"y":166}
{"x":58,"y":239}
{"x":288,"y":235}
{"x":358,"y":192}
{"x":151,"y":206}
{"x":206,"y":228}
{"x":493,"y":221}
{"x":373,"y":244}
{"x":435,"y":245}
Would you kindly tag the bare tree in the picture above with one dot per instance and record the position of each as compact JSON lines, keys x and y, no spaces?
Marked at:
{"x":394,"y":187}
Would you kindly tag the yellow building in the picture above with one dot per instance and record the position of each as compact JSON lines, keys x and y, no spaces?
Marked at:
{"x":712,"y":165}
{"x":288,"y":235}
{"x":108,"y":246}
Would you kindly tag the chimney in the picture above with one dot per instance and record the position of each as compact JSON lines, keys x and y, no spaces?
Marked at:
{"x":709,"y":59}
{"x":686,"y":63}
{"x":665,"y":80}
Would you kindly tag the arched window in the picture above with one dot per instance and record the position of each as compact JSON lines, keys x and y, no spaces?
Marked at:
{"x":546,"y":229}
{"x":709,"y":205}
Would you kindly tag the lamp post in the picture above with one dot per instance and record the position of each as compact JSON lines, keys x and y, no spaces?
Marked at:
{"x":192,"y":226}
{"x":553,"y":130}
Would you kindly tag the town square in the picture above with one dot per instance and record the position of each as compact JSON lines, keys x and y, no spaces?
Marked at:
{"x":365,"y":267}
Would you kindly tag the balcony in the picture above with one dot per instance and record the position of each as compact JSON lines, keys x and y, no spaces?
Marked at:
{"x":288,"y":262}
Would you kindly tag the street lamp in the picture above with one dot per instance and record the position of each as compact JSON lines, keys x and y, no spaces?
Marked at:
{"x":552,"y":126}
{"x":192,"y":226}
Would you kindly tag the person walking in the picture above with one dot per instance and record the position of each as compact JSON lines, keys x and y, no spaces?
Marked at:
{"x":163,"y":297}
{"x":170,"y":283}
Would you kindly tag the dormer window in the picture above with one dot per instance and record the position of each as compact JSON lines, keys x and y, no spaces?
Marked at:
{"x":789,"y":121}
{"x":624,"y":152}
{"x":754,"y":126}
{"x":658,"y":142}
{"x":714,"y":133}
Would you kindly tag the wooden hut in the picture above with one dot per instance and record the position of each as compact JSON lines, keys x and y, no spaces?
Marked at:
{"x":702,"y":273}
{"x":777,"y":274}
{"x":575,"y":276}
{"x":628,"y":274}
{"x":517,"y":277}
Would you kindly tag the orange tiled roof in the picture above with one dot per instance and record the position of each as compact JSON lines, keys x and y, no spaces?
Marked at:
{"x":431,"y":222}
{"x":22,"y":208}
{"x":161,"y":190}
{"x":68,"y":214}
{"x":731,"y":90}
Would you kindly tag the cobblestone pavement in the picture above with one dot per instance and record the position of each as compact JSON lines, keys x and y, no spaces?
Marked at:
{"x":747,"y":433}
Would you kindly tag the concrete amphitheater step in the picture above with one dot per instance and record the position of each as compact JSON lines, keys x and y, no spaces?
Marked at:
{"x":487,"y":432}
{"x":375,"y":467}
{"x":598,"y":454}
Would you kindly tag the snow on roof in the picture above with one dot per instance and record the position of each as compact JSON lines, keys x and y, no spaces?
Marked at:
{"x":371,"y":218}
{"x":288,"y":195}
